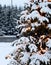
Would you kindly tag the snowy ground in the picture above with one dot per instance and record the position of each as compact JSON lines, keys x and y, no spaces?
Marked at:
{"x":5,"y":48}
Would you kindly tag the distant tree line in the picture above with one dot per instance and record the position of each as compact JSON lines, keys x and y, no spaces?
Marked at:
{"x":8,"y":19}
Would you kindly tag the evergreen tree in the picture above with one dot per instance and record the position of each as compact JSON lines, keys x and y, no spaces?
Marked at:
{"x":8,"y":19}
{"x":34,"y":43}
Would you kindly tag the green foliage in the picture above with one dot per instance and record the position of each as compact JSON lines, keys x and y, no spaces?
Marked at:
{"x":8,"y":19}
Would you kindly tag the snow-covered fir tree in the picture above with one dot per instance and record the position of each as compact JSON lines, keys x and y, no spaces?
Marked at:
{"x":33,"y":44}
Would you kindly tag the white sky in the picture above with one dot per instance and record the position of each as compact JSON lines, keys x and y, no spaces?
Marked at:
{"x":15,"y":2}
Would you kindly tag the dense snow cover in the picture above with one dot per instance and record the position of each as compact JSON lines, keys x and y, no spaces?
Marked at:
{"x":5,"y":49}
{"x":33,"y":15}
{"x":31,"y":48}
{"x":23,"y":55}
{"x":46,"y":10}
{"x":24,"y":12}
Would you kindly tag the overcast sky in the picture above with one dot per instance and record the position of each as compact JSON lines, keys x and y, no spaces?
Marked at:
{"x":15,"y":2}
